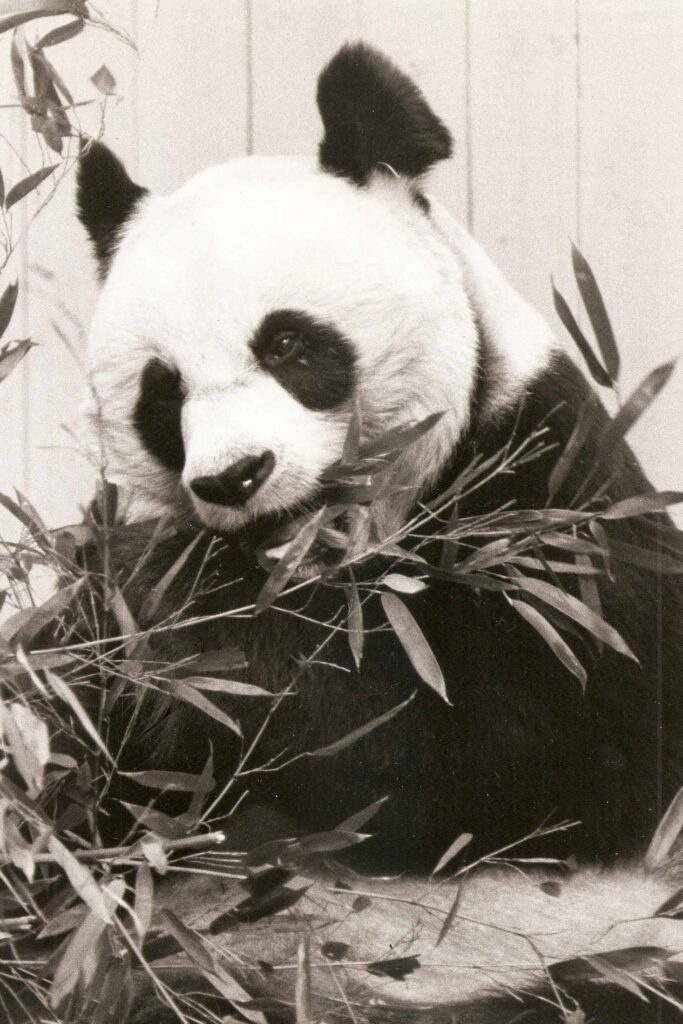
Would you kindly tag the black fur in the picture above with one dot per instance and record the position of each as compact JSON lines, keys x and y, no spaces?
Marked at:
{"x":601,"y":1002}
{"x":375,"y":115}
{"x":106,"y":198}
{"x":522,"y":744}
{"x":156,"y":416}
{"x":321,"y":371}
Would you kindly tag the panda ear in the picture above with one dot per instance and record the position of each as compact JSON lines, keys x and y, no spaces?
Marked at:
{"x":373,"y":114}
{"x":106,"y":198}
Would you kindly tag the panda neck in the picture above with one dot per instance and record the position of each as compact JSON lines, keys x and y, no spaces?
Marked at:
{"x":543,"y":414}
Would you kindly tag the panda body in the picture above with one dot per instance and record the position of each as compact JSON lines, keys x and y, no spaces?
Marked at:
{"x":396,"y":312}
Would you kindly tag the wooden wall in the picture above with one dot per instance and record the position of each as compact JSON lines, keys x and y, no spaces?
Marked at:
{"x":567,"y":118}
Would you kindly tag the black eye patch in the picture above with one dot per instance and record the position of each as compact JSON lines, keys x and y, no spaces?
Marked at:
{"x":156,"y":416}
{"x":312,"y":360}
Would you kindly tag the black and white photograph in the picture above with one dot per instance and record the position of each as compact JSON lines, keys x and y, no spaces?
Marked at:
{"x":341,"y":497}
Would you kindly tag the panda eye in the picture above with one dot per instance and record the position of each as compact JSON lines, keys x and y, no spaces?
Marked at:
{"x":284,"y":345}
{"x":308,"y":358}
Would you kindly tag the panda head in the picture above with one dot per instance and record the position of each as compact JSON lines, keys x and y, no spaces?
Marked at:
{"x":244,"y":318}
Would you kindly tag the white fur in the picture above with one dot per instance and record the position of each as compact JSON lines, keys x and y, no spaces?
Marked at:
{"x":506,"y":931}
{"x":195,"y":274}
{"x":522,"y":340}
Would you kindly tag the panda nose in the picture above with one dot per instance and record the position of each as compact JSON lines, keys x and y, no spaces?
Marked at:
{"x":236,"y":484}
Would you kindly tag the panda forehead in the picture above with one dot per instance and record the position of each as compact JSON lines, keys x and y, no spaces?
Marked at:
{"x":252,"y":235}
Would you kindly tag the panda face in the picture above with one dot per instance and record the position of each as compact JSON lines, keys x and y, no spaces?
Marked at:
{"x":244,"y":317}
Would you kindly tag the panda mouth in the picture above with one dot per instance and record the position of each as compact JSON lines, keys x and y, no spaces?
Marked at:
{"x":255,"y":527}
{"x":267,"y":535}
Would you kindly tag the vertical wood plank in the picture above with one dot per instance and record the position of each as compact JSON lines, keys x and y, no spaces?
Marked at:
{"x":13,"y":391}
{"x":523,"y":108}
{"x":192,"y":103}
{"x":428,"y":42}
{"x":632,"y":198}
{"x":290,"y":44}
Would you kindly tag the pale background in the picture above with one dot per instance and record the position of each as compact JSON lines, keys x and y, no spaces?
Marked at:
{"x":567,"y":117}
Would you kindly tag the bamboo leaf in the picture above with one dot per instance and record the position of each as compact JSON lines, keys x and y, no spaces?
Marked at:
{"x":27,"y":519}
{"x":104,"y":81}
{"x":655,"y":561}
{"x":182,"y":691}
{"x":642,"y":504}
{"x":152,"y":847}
{"x":361,"y":818}
{"x":483,"y":558}
{"x":28,"y":740}
{"x":635,"y":405}
{"x":595,"y":367}
{"x":28,"y":627}
{"x":18,"y":70}
{"x":399,"y":438}
{"x":356,"y":632}
{"x":616,"y":975}
{"x":356,"y":734}
{"x":581,"y":431}
{"x":565,"y":542}
{"x":188,"y":939}
{"x":182,"y":782}
{"x":225,"y":659}
{"x":231,"y":686}
{"x":398,"y":968}
{"x":60,"y":34}
{"x":156,"y":595}
{"x":70,"y":698}
{"x":114,"y":996}
{"x":7,"y":305}
{"x":403,"y":584}
{"x":124,"y":619}
{"x":453,"y":850}
{"x":577,"y":611}
{"x":375,"y":454}
{"x":595,"y":307}
{"x":353,"y":434}
{"x":666,"y":835}
{"x":582,"y":569}
{"x":588,"y":588}
{"x":65,"y":921}
{"x":558,"y":646}
{"x":24,"y":11}
{"x":156,"y":821}
{"x":11,"y":356}
{"x":144,"y":898}
{"x":451,"y":915}
{"x":27,"y":185}
{"x":81,"y":950}
{"x":415,"y":644}
{"x":334,"y":950}
{"x":81,"y":879}
{"x":671,"y":907}
{"x":206,"y":784}
{"x":290,"y":562}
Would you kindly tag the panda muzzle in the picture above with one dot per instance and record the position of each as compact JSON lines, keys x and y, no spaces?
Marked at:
{"x":236,"y":484}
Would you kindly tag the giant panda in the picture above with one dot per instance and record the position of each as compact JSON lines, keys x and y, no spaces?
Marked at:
{"x":244,"y":325}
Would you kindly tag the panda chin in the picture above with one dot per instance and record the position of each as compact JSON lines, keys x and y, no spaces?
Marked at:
{"x":255,"y":528}
{"x":267,"y":535}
